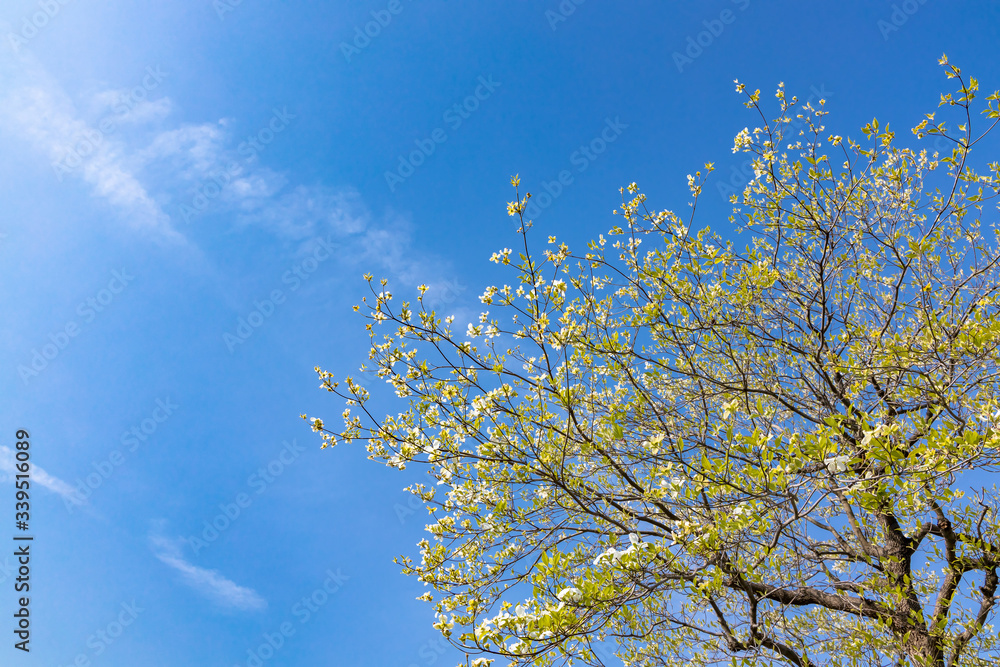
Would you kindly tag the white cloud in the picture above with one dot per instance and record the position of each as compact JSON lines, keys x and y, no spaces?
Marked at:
{"x":247,"y":191}
{"x":34,"y":105}
{"x":194,"y":149}
{"x":209,"y":583}
{"x":8,"y":465}
{"x":146,"y":168}
{"x":126,"y":108}
{"x":368,"y":243}
{"x":307,"y":211}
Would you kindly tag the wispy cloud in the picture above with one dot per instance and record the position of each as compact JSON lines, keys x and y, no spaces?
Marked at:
{"x":370,"y":242}
{"x":192,"y":150}
{"x":37,"y":108}
{"x":8,"y":465}
{"x":306,"y":211}
{"x":209,"y":583}
{"x":163,"y":177}
{"x":127,"y":109}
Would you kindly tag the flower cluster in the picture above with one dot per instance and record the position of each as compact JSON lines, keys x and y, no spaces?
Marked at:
{"x":743,"y":140}
{"x":629,"y":555}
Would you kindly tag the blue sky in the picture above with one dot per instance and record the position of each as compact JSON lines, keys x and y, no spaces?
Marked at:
{"x":191,"y":192}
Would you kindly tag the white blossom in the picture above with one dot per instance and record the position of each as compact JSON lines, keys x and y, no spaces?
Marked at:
{"x":570,"y":594}
{"x":836,"y":464}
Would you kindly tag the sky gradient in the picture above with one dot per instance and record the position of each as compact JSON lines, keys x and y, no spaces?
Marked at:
{"x":190,"y":193}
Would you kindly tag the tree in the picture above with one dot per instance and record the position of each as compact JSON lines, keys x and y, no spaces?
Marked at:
{"x":702,"y":455}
